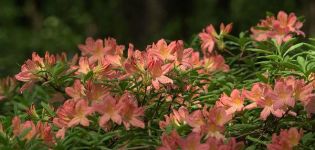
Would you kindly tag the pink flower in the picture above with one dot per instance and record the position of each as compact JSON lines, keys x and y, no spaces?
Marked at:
{"x":130,"y":112}
{"x":177,"y":118}
{"x":163,"y":51}
{"x":284,"y":93}
{"x":169,"y":142}
{"x":218,"y":144}
{"x":216,"y":118}
{"x":192,"y":142}
{"x":281,"y":28}
{"x":196,"y":120}
{"x":92,"y":48}
{"x":158,"y":71}
{"x":286,"y":140}
{"x":267,"y":103}
{"x":109,"y":109}
{"x":72,"y":113}
{"x":44,"y":132}
{"x":256,"y":94}
{"x":209,"y":37}
{"x":19,"y":128}
{"x":183,"y":56}
{"x":81,"y":111}
{"x":234,"y":103}
{"x":214,"y":63}
{"x":100,"y":69}
{"x":95,"y":92}
{"x":77,"y":91}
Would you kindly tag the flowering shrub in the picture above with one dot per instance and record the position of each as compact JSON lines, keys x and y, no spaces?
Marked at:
{"x":221,"y":92}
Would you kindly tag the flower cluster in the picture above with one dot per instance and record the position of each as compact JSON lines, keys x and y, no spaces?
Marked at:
{"x":167,"y":96}
{"x":280,"y":28}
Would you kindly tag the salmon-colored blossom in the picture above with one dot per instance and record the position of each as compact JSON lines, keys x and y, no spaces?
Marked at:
{"x":32,"y":69}
{"x":281,"y":28}
{"x":218,"y":144}
{"x":158,"y":71}
{"x":192,"y":142}
{"x":177,"y":118}
{"x":267,"y":103}
{"x":130,"y":112}
{"x":19,"y":128}
{"x":80,"y":113}
{"x":77,"y":91}
{"x":95,"y":92}
{"x":286,"y":140}
{"x":284,"y":94}
{"x":256,"y":94}
{"x":234,"y":103}
{"x":109,"y":110}
{"x":163,"y":51}
{"x":214,"y":63}
{"x":209,"y":37}
{"x":169,"y":142}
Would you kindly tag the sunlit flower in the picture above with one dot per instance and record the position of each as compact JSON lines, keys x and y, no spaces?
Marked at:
{"x":162,"y":50}
{"x":109,"y":110}
{"x":92,"y":48}
{"x":130,"y":112}
{"x":286,"y":140}
{"x":234,"y":103}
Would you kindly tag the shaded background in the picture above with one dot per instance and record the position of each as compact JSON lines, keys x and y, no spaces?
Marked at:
{"x":59,"y":25}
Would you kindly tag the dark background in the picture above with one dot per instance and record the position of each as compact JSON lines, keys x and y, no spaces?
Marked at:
{"x":59,"y":25}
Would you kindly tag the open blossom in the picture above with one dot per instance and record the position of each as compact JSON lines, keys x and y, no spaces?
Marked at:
{"x":183,"y":56}
{"x":109,"y":110}
{"x":95,"y":92}
{"x":169,"y":142}
{"x":41,"y":130}
{"x":97,"y":50}
{"x":196,"y":120}
{"x":19,"y":127}
{"x":284,"y":94}
{"x":216,"y":119}
{"x":77,"y":91}
{"x":192,"y":142}
{"x":281,"y":28}
{"x":267,"y":103}
{"x":130,"y":112}
{"x":177,"y":118}
{"x":162,"y":50}
{"x":136,"y":61}
{"x":33,"y":70}
{"x":286,"y":140}
{"x":209,"y":36}
{"x":218,"y":144}
{"x":214,"y":63}
{"x":158,"y":71}
{"x":72,"y":113}
{"x":101,"y":68}
{"x":256,"y":94}
{"x":234,"y":103}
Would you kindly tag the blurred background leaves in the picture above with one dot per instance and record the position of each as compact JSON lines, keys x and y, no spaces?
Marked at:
{"x":59,"y":25}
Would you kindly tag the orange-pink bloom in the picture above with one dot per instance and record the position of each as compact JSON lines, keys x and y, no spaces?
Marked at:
{"x":234,"y":103}
{"x":286,"y":140}
{"x":192,"y":142}
{"x":77,"y":91}
{"x":281,"y":28}
{"x":267,"y":103}
{"x":130,"y":112}
{"x":109,"y":110}
{"x":158,"y":71}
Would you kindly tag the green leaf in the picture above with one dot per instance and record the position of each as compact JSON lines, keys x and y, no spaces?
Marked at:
{"x":48,"y":109}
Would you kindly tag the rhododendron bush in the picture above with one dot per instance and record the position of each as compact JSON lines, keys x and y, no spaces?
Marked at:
{"x":216,"y":92}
